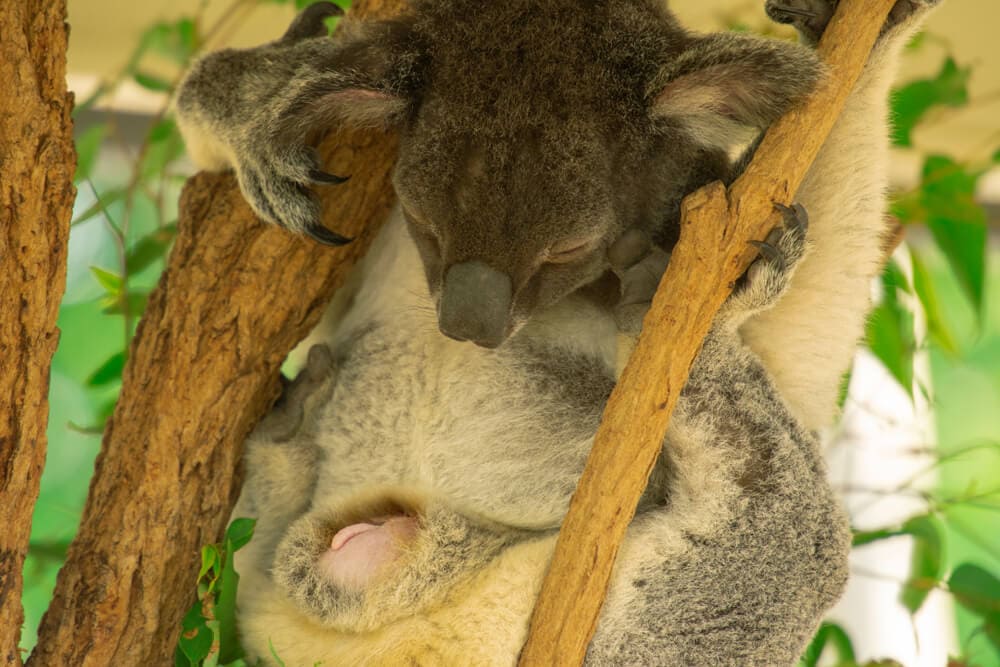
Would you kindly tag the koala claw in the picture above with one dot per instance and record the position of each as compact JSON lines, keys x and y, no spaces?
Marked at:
{"x":323,"y":178}
{"x":770,"y":253}
{"x":768,"y":277}
{"x":325,"y":236}
{"x":310,"y":22}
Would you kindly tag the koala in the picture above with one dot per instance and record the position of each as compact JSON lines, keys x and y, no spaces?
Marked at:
{"x":410,"y":487}
{"x":536,"y":136}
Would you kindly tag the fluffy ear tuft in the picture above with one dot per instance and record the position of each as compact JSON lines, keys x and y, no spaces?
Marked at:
{"x":725,"y":87}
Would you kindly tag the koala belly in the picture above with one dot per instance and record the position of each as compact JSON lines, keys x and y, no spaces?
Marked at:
{"x":483,"y":622}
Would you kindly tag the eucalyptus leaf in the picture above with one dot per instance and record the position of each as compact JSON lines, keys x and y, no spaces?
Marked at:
{"x":104,"y":200}
{"x":88,"y":145}
{"x":108,"y":372}
{"x":239,"y":532}
{"x":937,"y":325}
{"x":152,"y":82}
{"x":889,"y":332}
{"x":111,"y":282}
{"x":912,"y":102}
{"x":926,"y":562}
{"x":957,"y":222}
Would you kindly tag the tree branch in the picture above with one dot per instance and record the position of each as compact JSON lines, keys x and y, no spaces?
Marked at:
{"x":711,"y":255}
{"x":37,"y":161}
{"x":203,"y":367}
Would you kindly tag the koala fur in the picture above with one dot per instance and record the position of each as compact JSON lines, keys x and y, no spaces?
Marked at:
{"x":535,"y":138}
{"x":737,"y":549}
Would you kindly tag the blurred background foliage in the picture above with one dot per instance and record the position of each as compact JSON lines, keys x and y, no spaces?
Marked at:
{"x":936,"y":330}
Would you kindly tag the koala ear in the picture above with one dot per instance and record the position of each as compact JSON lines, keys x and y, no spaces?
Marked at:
{"x":725,"y":86}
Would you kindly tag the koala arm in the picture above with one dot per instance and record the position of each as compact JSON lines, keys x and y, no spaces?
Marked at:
{"x":807,"y":341}
{"x":746,"y":550}
{"x":260,"y":110}
{"x":739,"y":547}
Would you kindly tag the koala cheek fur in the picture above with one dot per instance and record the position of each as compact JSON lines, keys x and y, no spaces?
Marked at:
{"x":466,"y":458}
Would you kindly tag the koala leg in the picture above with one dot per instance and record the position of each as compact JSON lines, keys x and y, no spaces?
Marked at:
{"x":807,"y":341}
{"x":281,"y":456}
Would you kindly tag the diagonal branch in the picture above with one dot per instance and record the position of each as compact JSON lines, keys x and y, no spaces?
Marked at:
{"x":203,"y":367}
{"x":711,"y":255}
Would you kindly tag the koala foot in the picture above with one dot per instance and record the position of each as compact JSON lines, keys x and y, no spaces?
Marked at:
{"x":639,"y":265}
{"x":285,"y":418}
{"x":276,"y":186}
{"x":768,"y":277}
{"x":810,"y":17}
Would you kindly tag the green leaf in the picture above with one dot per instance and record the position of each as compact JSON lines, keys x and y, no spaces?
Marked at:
{"x":136,"y":304}
{"x":109,"y":371}
{"x":209,"y":555}
{"x":976,"y":589}
{"x":862,"y":538}
{"x":239,"y":532}
{"x":890,"y":331}
{"x":225,"y":608}
{"x":912,"y":102}
{"x":957,"y":222}
{"x":111,"y":282}
{"x":164,"y":145}
{"x":104,"y":200}
{"x":152,"y":82}
{"x":196,"y":638}
{"x":923,"y":285}
{"x":829,"y":634}
{"x":177,"y":41}
{"x":149,"y":249}
{"x":926,"y":563}
{"x":88,"y":145}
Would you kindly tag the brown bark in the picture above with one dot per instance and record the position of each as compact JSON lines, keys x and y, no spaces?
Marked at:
{"x":712,"y":254}
{"x":37,"y":160}
{"x":235,"y":298}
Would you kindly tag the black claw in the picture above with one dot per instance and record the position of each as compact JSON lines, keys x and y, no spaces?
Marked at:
{"x":325,"y":236}
{"x":320,"y":176}
{"x":794,"y":12}
{"x":795,"y":216}
{"x":770,"y":253}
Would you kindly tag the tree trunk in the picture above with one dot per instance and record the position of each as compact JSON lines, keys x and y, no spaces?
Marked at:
{"x":236,"y":297}
{"x":709,"y":258}
{"x":36,"y":202}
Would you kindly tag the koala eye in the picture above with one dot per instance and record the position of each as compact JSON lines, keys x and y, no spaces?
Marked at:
{"x":569,"y":250}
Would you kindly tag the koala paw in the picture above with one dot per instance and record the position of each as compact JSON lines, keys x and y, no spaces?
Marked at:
{"x":311,"y":22}
{"x":285,"y":418}
{"x":276,"y":186}
{"x":639,"y":265}
{"x":768,"y":277}
{"x":810,"y":17}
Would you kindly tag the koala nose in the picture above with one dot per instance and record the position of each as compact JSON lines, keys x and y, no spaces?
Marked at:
{"x":475,"y":304}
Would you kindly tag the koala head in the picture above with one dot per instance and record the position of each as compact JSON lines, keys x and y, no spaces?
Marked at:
{"x":534,"y":133}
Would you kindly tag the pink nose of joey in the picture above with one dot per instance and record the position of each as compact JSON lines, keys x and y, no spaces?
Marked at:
{"x":475,"y":304}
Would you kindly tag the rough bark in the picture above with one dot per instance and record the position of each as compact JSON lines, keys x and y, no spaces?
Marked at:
{"x":203,"y":367}
{"x":37,"y":161}
{"x":711,"y":255}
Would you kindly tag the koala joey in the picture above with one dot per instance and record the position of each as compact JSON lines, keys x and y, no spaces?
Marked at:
{"x":409,"y":488}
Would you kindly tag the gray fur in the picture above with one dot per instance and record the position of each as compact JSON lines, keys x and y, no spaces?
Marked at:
{"x":552,"y":142}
